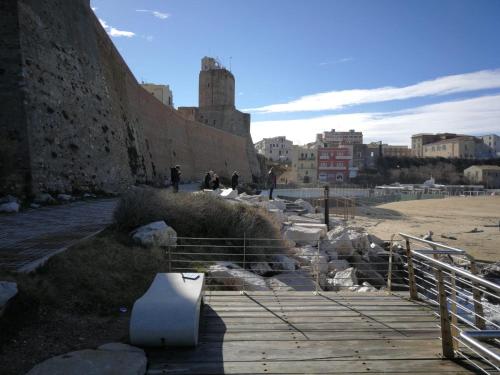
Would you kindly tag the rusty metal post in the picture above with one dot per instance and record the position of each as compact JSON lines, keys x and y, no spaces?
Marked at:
{"x":327,"y":209}
{"x":476,"y":294}
{"x":444,"y":316}
{"x":244,"y":260}
{"x":316,"y":269}
{"x":411,"y":272}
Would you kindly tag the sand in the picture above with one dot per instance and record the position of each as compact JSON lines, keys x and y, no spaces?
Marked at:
{"x":452,"y":217}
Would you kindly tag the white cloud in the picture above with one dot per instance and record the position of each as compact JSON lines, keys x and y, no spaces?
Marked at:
{"x":471,"y":116}
{"x":339,"y":61}
{"x":485,"y":79}
{"x":115,"y":32}
{"x":157,"y":14}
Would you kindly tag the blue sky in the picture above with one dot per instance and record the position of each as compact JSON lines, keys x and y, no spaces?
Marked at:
{"x":390,"y":68}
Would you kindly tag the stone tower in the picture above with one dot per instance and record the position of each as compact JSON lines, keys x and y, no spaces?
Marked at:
{"x":216,"y":85}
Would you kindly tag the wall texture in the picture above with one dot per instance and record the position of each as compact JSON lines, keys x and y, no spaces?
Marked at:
{"x":74,"y":118}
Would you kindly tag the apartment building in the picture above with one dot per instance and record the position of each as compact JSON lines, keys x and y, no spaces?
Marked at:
{"x":335,"y":164}
{"x":305,"y":163}
{"x":277,"y":148}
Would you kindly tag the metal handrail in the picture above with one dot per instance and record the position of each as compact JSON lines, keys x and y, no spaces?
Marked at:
{"x":452,"y":334}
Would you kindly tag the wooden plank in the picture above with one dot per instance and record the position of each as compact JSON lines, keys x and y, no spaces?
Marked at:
{"x":340,"y":313}
{"x":281,"y":325}
{"x":398,"y":319}
{"x":305,"y":350}
{"x":318,"y":366}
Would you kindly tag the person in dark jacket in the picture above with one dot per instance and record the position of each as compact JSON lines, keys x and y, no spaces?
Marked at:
{"x":271,"y":180}
{"x":208,"y":178}
{"x":175,"y":176}
{"x":215,"y":182}
{"x":234,"y":180}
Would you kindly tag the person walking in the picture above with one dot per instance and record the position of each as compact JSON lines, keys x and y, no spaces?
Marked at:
{"x":271,"y":180}
{"x":215,"y":182}
{"x":208,"y":178}
{"x":234,"y":180}
{"x":175,"y":177}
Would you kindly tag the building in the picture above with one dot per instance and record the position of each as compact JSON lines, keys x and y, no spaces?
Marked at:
{"x":305,"y":163}
{"x":419,"y":140}
{"x":397,"y":151}
{"x":160,"y":92}
{"x":493,"y":143}
{"x":376,"y":150}
{"x":463,"y":147}
{"x":335,"y":164}
{"x":334,"y":138}
{"x":276,"y":149}
{"x":488,"y":175}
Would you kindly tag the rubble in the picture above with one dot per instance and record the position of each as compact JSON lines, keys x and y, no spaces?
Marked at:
{"x":232,"y":275}
{"x":9,"y":208}
{"x":303,"y":235}
{"x":154,"y":234}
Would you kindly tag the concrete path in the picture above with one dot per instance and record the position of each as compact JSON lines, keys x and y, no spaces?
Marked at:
{"x":29,"y":238}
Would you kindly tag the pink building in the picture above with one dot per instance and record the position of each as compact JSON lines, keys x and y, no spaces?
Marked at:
{"x":335,"y":163}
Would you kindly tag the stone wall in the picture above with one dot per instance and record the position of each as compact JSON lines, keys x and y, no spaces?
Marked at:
{"x":78,"y":118}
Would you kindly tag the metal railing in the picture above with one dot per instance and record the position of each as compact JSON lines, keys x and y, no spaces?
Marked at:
{"x":468,"y":325}
{"x":250,"y":264}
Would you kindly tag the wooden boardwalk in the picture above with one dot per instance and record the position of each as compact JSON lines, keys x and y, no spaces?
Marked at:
{"x":300,"y":333}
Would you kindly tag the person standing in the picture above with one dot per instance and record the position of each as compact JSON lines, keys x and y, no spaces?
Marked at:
{"x":175,"y":176}
{"x":271,"y":180}
{"x":215,"y":182}
{"x":234,"y":180}
{"x":208,"y":178}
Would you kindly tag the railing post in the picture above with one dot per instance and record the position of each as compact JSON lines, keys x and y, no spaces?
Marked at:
{"x":244,"y":260}
{"x":389,"y":271}
{"x":327,"y":210}
{"x":316,"y":291}
{"x":446,"y":338}
{"x":454,"y":319}
{"x":411,"y":272}
{"x":476,"y":294}
{"x":169,"y":253}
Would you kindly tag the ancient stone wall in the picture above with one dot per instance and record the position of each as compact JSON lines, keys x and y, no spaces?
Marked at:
{"x":87,"y":123}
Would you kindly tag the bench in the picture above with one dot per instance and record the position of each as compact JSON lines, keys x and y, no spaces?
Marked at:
{"x":168,"y":314}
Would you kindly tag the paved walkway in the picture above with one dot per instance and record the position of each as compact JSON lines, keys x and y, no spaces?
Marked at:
{"x":29,"y":238}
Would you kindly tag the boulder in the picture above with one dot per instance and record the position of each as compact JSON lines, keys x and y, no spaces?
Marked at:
{"x":345,"y":278}
{"x":261,"y":268}
{"x":154,"y":234}
{"x":305,"y":205}
{"x":323,"y":227}
{"x":10,"y":208}
{"x":64,"y":197}
{"x":34,"y":205}
{"x":89,"y":195}
{"x":284,"y":263}
{"x":230,"y":274}
{"x":305,"y":254}
{"x":229,"y":194}
{"x":303,"y":235}
{"x":44,"y":198}
{"x":278,"y":203}
{"x":302,"y":219}
{"x":278,"y":215}
{"x":112,"y":359}
{"x":341,"y":245}
{"x":366,"y":287}
{"x":366,"y":271}
{"x":336,"y":232}
{"x":8,"y":290}
{"x":337,"y":265}
{"x":329,"y":248}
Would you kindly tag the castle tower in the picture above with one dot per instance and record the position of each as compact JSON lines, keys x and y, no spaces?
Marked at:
{"x":216,"y":85}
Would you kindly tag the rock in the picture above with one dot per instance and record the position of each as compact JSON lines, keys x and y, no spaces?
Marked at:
{"x":10,"y":208}
{"x":305,"y":205}
{"x":359,"y":238}
{"x":89,"y":195}
{"x":284,"y":263}
{"x":230,"y":274}
{"x":101,"y":361}
{"x":229,"y":194}
{"x":305,"y":253}
{"x":34,"y":205}
{"x":261,"y":268}
{"x":345,"y":278}
{"x":302,"y":219}
{"x":44,"y":198}
{"x":337,"y":265}
{"x":320,"y":264}
{"x":323,"y":227}
{"x":8,"y":199}
{"x":329,"y":248}
{"x":120,"y":347}
{"x":341,"y":245}
{"x":302,"y":235}
{"x":366,"y":287}
{"x":366,"y":271}
{"x":278,"y":215}
{"x":157,"y":233}
{"x":8,"y":290}
{"x":64,"y":197}
{"x":289,"y":281}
